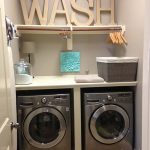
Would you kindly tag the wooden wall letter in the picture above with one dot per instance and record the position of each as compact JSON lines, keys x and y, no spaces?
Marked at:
{"x":82,"y":10}
{"x":56,"y":11}
{"x":91,"y":3}
{"x":99,"y":10}
{"x":35,"y":7}
{"x":112,"y":11}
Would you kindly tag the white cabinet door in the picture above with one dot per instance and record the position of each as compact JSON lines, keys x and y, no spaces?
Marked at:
{"x":5,"y":109}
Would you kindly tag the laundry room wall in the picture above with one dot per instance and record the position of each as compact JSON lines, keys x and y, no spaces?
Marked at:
{"x":48,"y":47}
{"x":13,"y":12}
{"x":131,"y":13}
{"x":146,"y":76}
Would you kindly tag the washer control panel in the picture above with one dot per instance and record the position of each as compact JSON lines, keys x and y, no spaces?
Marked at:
{"x":106,"y":98}
{"x":57,"y":99}
{"x":44,"y":100}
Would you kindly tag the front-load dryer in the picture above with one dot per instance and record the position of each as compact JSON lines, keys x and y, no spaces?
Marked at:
{"x":45,"y":122}
{"x":108,"y":121}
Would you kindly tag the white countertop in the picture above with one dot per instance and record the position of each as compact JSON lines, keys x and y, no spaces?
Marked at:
{"x":66,"y":81}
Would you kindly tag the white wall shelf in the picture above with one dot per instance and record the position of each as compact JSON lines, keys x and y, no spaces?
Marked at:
{"x":67,"y":81}
{"x":46,"y":29}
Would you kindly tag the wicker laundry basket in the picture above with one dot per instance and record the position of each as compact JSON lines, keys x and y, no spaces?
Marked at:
{"x":117,"y":69}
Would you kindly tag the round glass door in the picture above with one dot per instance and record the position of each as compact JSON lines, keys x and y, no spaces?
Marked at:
{"x":109,"y":124}
{"x":44,"y":127}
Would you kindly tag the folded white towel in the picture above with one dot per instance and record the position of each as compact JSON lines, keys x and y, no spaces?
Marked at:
{"x":88,"y":79}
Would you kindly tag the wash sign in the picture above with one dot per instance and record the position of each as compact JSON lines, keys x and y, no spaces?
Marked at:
{"x":47,"y":11}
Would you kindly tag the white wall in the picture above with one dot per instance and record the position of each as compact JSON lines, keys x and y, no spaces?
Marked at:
{"x":45,"y":60}
{"x":48,"y":47}
{"x":13,"y":11}
{"x":146,"y":81}
{"x":131,"y":13}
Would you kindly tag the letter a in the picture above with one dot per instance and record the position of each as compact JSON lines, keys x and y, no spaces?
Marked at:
{"x":56,"y":11}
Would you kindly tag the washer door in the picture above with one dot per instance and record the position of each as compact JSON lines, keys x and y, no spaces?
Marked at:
{"x":44,"y":127}
{"x":109,"y":124}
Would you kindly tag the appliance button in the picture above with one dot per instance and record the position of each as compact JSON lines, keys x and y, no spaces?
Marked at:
{"x":104,"y":100}
{"x":101,"y":104}
{"x":115,"y":100}
{"x":44,"y":100}
{"x":109,"y":97}
{"x":50,"y":103}
{"x":67,"y":109}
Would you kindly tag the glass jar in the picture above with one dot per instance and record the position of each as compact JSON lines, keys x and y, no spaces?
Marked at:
{"x":23,"y":72}
{"x":23,"y":67}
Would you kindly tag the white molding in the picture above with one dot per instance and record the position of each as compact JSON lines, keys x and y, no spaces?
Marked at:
{"x":146,"y":82}
{"x":146,"y":99}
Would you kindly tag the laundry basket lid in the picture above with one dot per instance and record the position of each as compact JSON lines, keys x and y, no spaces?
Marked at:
{"x":117,"y":59}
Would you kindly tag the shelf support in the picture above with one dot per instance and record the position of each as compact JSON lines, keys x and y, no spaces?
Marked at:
{"x":70,"y":40}
{"x":69,"y":43}
{"x":123,"y":29}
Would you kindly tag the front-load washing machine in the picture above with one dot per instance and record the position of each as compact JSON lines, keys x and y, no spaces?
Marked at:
{"x":45,"y":122}
{"x":108,"y":121}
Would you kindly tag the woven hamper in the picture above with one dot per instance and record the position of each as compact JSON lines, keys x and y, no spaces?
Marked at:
{"x":117,"y":69}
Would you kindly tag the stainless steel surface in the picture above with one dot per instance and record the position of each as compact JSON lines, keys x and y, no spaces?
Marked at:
{"x":95,"y":116}
{"x":35,"y":113}
{"x":31,"y":107}
{"x":98,"y":104}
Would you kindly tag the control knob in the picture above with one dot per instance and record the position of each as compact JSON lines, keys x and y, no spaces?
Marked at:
{"x":109,"y":97}
{"x":44,"y":100}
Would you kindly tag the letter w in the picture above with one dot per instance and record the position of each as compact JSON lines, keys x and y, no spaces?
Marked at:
{"x":35,"y":7}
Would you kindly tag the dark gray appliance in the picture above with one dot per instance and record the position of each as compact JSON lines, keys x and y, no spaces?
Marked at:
{"x":108,"y":121}
{"x":45,"y":122}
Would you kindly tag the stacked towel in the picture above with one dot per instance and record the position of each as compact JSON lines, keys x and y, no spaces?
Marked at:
{"x":88,"y":79}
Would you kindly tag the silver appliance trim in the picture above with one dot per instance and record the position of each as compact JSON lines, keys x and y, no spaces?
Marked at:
{"x":36,"y":112}
{"x":101,"y":110}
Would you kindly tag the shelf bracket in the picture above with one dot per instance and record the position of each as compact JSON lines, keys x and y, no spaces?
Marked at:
{"x":69,"y":43}
{"x":123,"y":29}
{"x":70,"y":40}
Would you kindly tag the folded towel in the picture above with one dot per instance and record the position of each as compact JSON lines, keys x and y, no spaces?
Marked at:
{"x":88,"y":79}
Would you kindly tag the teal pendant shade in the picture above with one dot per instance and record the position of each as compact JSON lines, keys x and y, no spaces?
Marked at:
{"x":70,"y":61}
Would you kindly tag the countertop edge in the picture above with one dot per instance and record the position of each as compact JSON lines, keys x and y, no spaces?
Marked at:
{"x":80,"y":85}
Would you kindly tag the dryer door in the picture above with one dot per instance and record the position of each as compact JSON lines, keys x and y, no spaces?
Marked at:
{"x":109,"y":124}
{"x":44,"y":127}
